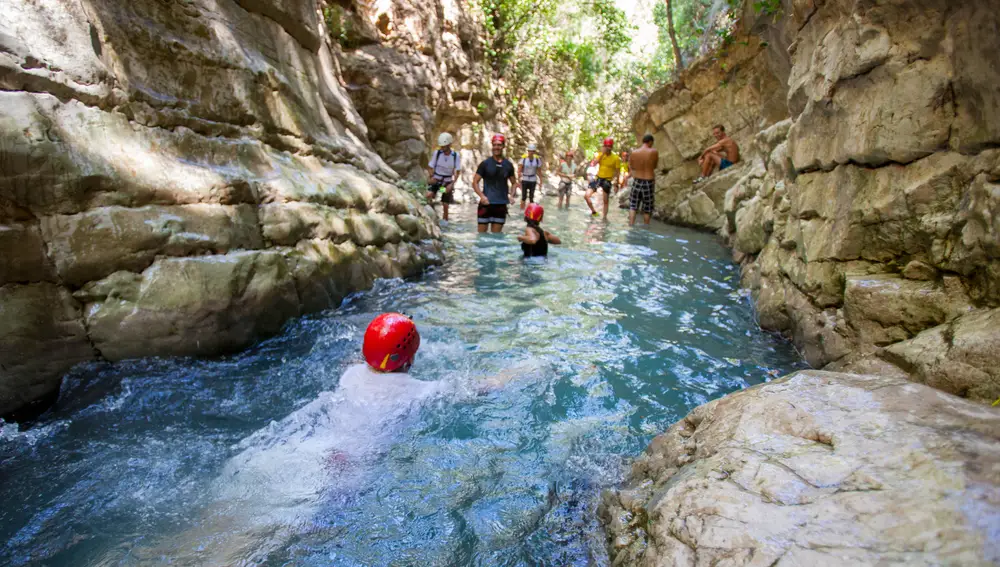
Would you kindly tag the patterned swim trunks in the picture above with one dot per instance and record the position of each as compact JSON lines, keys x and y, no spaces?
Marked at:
{"x":641,"y":197}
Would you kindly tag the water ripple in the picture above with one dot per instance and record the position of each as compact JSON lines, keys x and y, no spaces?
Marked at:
{"x":616,"y":335}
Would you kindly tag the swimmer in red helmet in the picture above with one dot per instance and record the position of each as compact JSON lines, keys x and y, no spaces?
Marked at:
{"x":287,"y":471}
{"x":535,"y":241}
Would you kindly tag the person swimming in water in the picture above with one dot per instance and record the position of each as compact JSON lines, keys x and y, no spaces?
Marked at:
{"x":322,"y":453}
{"x":535,"y":241}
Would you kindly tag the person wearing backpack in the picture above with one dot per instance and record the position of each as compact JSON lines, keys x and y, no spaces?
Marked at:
{"x":530,"y":174}
{"x":442,"y":171}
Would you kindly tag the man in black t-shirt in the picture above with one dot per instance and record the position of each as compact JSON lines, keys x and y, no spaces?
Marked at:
{"x":498,"y":177}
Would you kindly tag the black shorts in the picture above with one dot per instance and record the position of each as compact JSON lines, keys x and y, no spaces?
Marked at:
{"x":641,"y":197}
{"x":604,"y":184}
{"x":492,"y":214}
{"x":528,"y":190}
{"x":435,"y":188}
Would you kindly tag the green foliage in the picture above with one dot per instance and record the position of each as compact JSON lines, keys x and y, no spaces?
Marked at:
{"x":339,"y":24}
{"x":572,"y":63}
{"x":767,"y":7}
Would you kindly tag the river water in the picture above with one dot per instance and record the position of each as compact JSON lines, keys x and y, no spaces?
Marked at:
{"x":557,"y":373}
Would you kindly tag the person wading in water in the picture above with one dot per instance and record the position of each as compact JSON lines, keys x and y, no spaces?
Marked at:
{"x":497,"y":175}
{"x":535,"y":241}
{"x":442,"y":171}
{"x":608,"y":170}
{"x":642,"y":164}
{"x":566,"y":172}
{"x":530,"y":172}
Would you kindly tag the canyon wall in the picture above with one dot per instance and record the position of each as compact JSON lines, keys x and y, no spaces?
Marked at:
{"x":866,"y":219}
{"x":413,"y":71}
{"x":180,"y":178}
{"x":865,"y":211}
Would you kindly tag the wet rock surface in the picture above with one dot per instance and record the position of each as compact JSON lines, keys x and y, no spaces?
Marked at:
{"x":174,"y":178}
{"x":817,"y":468}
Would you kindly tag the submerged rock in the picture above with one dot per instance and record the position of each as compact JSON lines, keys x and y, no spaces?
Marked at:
{"x":817,"y":468}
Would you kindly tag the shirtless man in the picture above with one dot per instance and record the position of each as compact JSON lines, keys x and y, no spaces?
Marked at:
{"x":721,"y":154}
{"x":642,"y":165}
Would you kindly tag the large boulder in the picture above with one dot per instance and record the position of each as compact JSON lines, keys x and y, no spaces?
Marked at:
{"x":817,"y":468}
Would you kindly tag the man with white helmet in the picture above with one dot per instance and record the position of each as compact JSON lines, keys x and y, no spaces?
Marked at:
{"x":442,"y":171}
{"x":530,"y":174}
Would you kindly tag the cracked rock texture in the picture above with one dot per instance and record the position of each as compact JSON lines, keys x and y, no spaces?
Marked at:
{"x":414,"y":70}
{"x":180,"y":177}
{"x":818,"y":468}
{"x":867,"y":210}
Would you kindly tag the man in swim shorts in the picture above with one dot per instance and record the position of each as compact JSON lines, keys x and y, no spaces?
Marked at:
{"x":608,"y":170}
{"x":642,"y":164}
{"x":722,"y":154}
{"x":497,"y":176}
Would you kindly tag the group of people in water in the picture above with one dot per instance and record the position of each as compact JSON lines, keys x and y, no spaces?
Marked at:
{"x":497,"y":180}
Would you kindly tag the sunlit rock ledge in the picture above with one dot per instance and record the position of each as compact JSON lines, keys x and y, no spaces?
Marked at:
{"x":180,"y":179}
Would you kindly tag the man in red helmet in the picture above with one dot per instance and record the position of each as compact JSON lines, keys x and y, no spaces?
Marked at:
{"x":286,"y":471}
{"x":608,"y":169}
{"x":498,"y":177}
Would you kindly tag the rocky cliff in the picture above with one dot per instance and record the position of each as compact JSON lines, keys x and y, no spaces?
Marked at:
{"x":414,"y":70}
{"x":866,"y":218}
{"x":180,"y":178}
{"x":865,"y":213}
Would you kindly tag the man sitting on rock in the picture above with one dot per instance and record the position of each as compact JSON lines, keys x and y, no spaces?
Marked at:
{"x":719,"y":155}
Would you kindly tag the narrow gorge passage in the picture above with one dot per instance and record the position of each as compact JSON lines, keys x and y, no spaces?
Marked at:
{"x":620,"y":333}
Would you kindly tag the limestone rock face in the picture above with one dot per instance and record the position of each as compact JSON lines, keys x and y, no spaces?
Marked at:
{"x":817,"y":468}
{"x":414,"y":70}
{"x":180,"y":178}
{"x":866,"y":212}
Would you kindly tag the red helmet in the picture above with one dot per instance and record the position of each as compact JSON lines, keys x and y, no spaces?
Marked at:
{"x":608,"y":142}
{"x":391,"y":342}
{"x":498,"y":138}
{"x":534,"y":212}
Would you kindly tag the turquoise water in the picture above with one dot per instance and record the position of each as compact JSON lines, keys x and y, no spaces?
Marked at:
{"x":591,"y":353}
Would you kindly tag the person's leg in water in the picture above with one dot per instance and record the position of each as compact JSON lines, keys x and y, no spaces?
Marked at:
{"x":446,"y":199}
{"x":588,"y":197}
{"x":605,"y":185}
